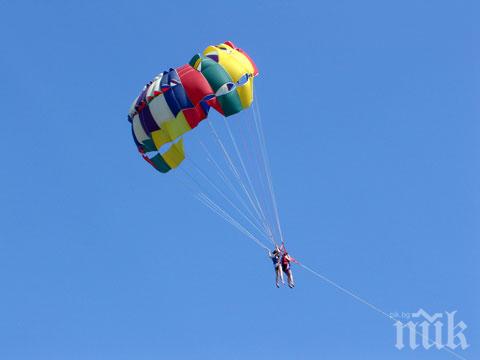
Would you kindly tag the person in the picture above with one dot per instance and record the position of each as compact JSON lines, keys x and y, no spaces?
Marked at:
{"x":285,"y":261}
{"x":276,"y":257}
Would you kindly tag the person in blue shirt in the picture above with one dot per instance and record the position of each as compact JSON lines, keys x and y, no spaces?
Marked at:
{"x":276,"y":257}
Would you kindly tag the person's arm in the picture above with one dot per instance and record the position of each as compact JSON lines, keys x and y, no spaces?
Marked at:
{"x":292,"y":259}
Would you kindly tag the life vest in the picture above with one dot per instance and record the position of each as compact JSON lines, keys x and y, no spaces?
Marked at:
{"x":285,"y":261}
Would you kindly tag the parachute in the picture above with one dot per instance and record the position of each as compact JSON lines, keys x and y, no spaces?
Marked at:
{"x":235,"y":181}
{"x":177,"y":100}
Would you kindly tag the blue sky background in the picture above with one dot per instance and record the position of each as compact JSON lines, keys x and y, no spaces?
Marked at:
{"x":371,"y":115}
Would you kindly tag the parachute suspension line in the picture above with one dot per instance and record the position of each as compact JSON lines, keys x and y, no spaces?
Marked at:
{"x":247,"y":176}
{"x":233,"y":168}
{"x":223,"y":214}
{"x":212,"y":183}
{"x":266,"y":163}
{"x":266,"y":166}
{"x":251,"y":144}
{"x":227,"y":181}
{"x":208,"y":202}
{"x":221,"y":193}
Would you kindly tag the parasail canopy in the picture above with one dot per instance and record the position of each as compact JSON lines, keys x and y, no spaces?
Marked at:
{"x":177,"y":100}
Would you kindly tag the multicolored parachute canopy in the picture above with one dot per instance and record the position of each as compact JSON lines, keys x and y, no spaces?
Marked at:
{"x":177,"y":100}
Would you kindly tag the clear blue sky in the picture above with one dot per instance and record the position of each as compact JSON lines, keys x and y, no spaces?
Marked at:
{"x":372,"y":119}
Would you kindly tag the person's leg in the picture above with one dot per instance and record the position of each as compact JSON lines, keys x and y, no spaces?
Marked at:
{"x":290,"y":278}
{"x":280,"y":272}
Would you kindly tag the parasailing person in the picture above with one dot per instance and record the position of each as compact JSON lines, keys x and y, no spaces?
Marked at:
{"x":276,"y":257}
